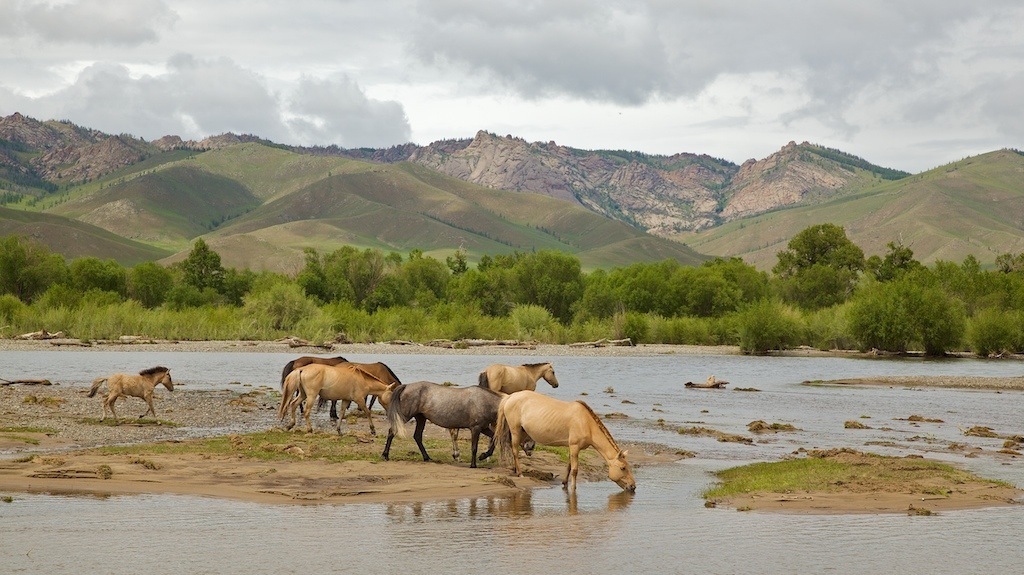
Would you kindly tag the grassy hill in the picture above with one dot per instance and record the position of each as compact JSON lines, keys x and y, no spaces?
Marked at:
{"x":259,"y":206}
{"x":76,"y":239}
{"x":971,"y":207}
{"x":405,"y":206}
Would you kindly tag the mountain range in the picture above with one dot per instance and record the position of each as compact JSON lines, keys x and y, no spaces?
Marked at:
{"x":259,"y":203}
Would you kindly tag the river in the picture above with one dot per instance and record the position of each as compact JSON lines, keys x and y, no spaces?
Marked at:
{"x":663,"y":528}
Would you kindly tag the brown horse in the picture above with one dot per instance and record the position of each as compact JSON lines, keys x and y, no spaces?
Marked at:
{"x":513,"y":378}
{"x":123,"y":385}
{"x":345,"y":382}
{"x":551,"y":421}
{"x":377,"y":369}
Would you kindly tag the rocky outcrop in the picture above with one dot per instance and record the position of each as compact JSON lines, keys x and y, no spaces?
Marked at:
{"x":657,"y":193}
{"x":788,"y":177}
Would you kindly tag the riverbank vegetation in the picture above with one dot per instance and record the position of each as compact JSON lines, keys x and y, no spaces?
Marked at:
{"x":823,"y":293}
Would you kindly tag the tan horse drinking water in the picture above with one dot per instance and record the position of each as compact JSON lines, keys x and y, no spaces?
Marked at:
{"x":123,"y":385}
{"x":551,"y":421}
{"x":344,"y":382}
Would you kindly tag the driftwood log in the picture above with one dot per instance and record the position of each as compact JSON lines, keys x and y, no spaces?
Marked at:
{"x":467,"y":343}
{"x":711,"y":383}
{"x":39,"y":335}
{"x":24,"y":381}
{"x":602,"y":343}
{"x":293,"y":341}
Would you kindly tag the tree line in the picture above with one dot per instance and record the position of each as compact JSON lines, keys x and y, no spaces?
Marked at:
{"x":823,"y":293}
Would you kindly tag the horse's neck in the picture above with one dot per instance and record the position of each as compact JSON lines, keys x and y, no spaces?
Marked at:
{"x":600,"y":438}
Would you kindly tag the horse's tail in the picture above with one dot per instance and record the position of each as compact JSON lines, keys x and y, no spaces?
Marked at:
{"x":287,"y":369}
{"x":288,"y":393}
{"x":96,"y":383}
{"x":483,"y":380}
{"x":394,"y":413}
{"x":503,"y":434}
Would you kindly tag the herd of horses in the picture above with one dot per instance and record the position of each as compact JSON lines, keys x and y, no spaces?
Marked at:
{"x":504,"y":406}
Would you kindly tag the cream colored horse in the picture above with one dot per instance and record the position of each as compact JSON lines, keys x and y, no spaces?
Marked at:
{"x":123,"y":385}
{"x":512,"y":378}
{"x":551,"y":421}
{"x":344,"y":382}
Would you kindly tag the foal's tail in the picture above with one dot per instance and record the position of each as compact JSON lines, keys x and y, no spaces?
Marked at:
{"x":503,"y":434}
{"x":96,"y":383}
{"x":394,"y":412}
{"x":483,"y":380}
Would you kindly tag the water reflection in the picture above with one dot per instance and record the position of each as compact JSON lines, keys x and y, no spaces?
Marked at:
{"x":518,"y":505}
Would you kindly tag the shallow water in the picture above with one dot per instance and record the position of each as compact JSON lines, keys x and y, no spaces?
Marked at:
{"x":663,"y":528}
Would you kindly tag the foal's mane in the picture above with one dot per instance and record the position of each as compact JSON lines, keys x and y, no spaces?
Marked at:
{"x":600,"y":424}
{"x":536,"y":364}
{"x":153,"y":370}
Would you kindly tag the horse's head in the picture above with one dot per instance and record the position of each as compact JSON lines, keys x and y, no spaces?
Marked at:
{"x":385,"y":396}
{"x":549,"y":375}
{"x":621,"y":472}
{"x":166,"y":380}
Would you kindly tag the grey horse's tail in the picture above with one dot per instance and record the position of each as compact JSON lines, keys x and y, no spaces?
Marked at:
{"x":96,"y":383}
{"x":483,"y":380}
{"x":395,"y":417}
{"x":503,"y":434}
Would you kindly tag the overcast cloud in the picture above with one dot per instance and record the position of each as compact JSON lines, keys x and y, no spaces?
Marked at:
{"x":910,"y":84}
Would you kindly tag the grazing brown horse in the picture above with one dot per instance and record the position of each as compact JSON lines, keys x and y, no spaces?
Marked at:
{"x":551,"y":421}
{"x":345,"y":382}
{"x":377,"y":369}
{"x":513,"y":378}
{"x":123,"y":385}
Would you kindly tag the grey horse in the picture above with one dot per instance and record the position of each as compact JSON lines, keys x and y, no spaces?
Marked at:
{"x":474,"y":408}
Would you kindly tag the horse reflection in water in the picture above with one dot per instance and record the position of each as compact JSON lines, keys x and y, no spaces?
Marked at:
{"x":520,"y":504}
{"x":551,"y":421}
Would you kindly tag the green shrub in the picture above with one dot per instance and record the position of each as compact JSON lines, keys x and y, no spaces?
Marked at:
{"x":766,"y":325}
{"x":532,"y":322}
{"x":990,"y":331}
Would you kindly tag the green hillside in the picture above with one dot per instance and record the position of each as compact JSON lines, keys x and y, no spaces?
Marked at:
{"x":971,"y":207}
{"x":405,"y":206}
{"x":75,"y":239}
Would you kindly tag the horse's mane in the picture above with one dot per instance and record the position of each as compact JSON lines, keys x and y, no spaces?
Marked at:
{"x":536,"y":364}
{"x":152,"y":370}
{"x":600,"y":424}
{"x":391,"y":372}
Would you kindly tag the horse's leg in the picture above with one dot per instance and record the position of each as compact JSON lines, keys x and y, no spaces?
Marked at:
{"x":574,"y":467}
{"x":309,"y":413}
{"x":293,"y":404}
{"x":421,"y":422}
{"x":148,"y":396}
{"x":490,"y":446}
{"x":387,"y":445}
{"x":474,"y":443}
{"x":334,"y":412}
{"x":112,"y":399}
{"x":344,"y":409}
{"x":455,"y":443}
{"x":369,"y":416}
{"x":528,"y":444}
{"x":517,"y":439}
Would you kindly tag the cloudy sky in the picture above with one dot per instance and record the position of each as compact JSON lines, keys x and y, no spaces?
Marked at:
{"x":911,"y":84}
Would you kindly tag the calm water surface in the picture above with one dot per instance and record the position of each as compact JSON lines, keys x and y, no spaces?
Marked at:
{"x":664,"y":528}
